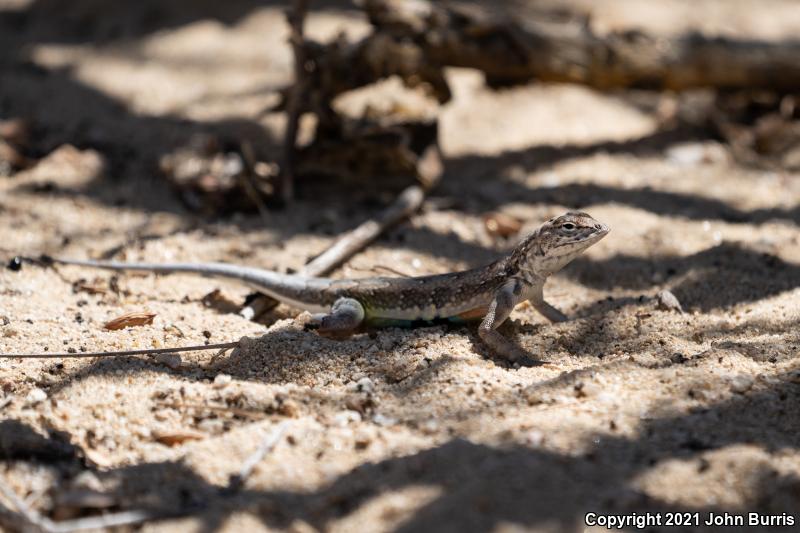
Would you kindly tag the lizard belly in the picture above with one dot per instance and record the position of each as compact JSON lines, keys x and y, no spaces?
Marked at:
{"x":400,"y":316}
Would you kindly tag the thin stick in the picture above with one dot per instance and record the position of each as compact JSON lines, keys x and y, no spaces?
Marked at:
{"x":268,"y":444}
{"x":377,"y":268}
{"x":25,"y":516}
{"x":105,"y":521}
{"x":406,"y":204}
{"x":24,"y":513}
{"x":221,"y":346}
{"x":249,"y":158}
{"x":296,"y":17}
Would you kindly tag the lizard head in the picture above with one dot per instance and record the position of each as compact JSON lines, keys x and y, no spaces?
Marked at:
{"x":558,"y":241}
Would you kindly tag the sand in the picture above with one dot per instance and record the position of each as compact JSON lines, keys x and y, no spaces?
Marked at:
{"x":640,"y":409}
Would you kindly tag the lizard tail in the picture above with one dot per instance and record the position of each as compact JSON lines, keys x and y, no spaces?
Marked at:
{"x":283,"y":287}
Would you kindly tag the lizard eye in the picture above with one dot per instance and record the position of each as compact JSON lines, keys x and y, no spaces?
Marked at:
{"x":569,"y":226}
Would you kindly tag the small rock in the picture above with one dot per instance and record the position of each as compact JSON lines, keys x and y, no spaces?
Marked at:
{"x":344,"y":418}
{"x":221,"y":381}
{"x":212,"y":426}
{"x":668,"y":301}
{"x":741,"y":384}
{"x":172,"y":360}
{"x":585,"y":389}
{"x":359,"y":402}
{"x":383,"y":420}
{"x":35,"y":396}
{"x":429,"y":427}
{"x":289,"y":408}
{"x":15,"y":264}
{"x":678,"y":358}
{"x":365,"y":385}
{"x":534,"y":438}
{"x":363,"y":438}
{"x":694,"y":154}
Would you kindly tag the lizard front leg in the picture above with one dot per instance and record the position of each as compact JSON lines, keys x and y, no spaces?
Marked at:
{"x":536,"y":298}
{"x":345,"y":317}
{"x":506,"y":298}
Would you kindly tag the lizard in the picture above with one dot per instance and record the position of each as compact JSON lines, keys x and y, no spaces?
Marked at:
{"x":489,"y":293}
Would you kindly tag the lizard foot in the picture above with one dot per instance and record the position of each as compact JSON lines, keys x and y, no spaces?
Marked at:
{"x":502,"y":347}
{"x":345,"y":317}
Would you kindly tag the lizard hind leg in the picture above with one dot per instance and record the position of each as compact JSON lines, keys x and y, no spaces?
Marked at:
{"x":345,"y":317}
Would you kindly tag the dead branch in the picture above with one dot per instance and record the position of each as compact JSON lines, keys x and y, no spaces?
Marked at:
{"x":569,"y":51}
{"x":415,"y":40}
{"x":27,"y":519}
{"x":406,"y":204}
{"x":296,"y":17}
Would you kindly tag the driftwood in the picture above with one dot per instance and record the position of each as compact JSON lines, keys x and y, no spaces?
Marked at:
{"x":415,"y":40}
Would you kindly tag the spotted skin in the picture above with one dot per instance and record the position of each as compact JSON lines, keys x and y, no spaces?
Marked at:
{"x":488,"y":293}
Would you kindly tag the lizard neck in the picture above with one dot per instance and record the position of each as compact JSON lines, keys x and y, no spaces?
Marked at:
{"x":529,"y":270}
{"x":532,"y":262}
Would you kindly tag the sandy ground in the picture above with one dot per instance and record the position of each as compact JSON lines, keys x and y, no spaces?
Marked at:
{"x":640,"y":409}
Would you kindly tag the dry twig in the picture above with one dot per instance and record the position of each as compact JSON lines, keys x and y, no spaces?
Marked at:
{"x":296,"y":17}
{"x":26,"y":519}
{"x":268,"y":444}
{"x":407,"y":203}
{"x":152,"y":351}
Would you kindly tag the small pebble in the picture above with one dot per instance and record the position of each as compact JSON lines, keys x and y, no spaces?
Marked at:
{"x":221,"y":381}
{"x":344,"y":418}
{"x":741,"y":384}
{"x":383,"y":420}
{"x":15,"y":265}
{"x":668,"y":301}
{"x":172,"y":360}
{"x":365,"y":385}
{"x":534,"y":438}
{"x":35,"y":396}
{"x":429,"y":427}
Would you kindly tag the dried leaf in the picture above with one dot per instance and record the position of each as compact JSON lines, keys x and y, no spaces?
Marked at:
{"x":97,"y":458}
{"x":174,"y":438}
{"x":500,"y":225}
{"x":137,"y":318}
{"x":84,"y":286}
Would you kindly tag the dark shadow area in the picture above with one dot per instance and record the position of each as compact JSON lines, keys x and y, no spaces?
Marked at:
{"x":579,"y":196}
{"x":64,"y":110}
{"x":728,"y":274}
{"x":106,"y":22}
{"x":541,"y":156}
{"x":18,"y":442}
{"x":484,"y":486}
